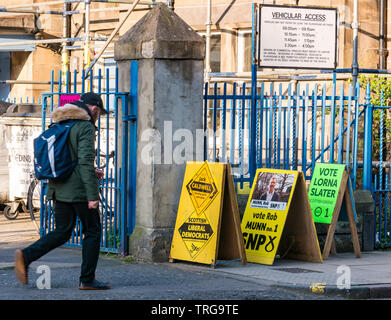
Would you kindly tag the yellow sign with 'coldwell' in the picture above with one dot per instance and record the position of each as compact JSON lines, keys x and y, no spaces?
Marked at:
{"x":207,"y":227}
{"x":195,"y":234}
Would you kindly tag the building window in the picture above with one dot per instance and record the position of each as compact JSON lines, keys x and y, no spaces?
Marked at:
{"x":5,"y":74}
{"x":244,"y":51}
{"x":215,"y":51}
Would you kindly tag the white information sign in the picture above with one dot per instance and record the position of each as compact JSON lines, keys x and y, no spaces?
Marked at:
{"x":20,"y":147}
{"x":297,"y":37}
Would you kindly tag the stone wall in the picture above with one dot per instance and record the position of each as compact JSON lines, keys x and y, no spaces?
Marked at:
{"x":170,"y":87}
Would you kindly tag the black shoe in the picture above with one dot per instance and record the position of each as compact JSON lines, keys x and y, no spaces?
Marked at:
{"x":94,"y":285}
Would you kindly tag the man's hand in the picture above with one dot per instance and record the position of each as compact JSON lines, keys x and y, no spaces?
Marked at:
{"x":93,"y":204}
{"x":99,"y":173}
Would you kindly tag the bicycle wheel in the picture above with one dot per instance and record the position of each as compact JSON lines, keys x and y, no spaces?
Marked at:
{"x":33,"y":203}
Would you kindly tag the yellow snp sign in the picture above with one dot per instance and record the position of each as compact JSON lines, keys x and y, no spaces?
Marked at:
{"x":207,"y":227}
{"x":278,"y":217}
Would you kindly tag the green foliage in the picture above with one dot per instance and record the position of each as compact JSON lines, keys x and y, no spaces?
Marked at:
{"x":378,"y":85}
{"x":113,"y":239}
{"x":383,"y":244}
{"x":380,"y":90}
{"x":127,"y":259}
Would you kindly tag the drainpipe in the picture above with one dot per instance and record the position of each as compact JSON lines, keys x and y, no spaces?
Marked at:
{"x":87,"y":59}
{"x":65,"y":34}
{"x":382,"y":50}
{"x":355,"y":25}
{"x":208,"y":25}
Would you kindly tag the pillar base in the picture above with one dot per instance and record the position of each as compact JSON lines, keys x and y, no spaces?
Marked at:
{"x":151,"y":245}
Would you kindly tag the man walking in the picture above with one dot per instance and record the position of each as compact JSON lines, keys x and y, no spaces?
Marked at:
{"x":77,"y":196}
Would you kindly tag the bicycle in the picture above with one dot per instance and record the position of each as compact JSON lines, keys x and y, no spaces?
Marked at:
{"x":34,"y":193}
{"x":34,"y":200}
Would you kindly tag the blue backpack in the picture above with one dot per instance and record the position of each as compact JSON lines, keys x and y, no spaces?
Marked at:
{"x":52,"y":158}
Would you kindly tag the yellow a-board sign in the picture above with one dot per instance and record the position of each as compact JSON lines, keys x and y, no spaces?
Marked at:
{"x":278,"y":217}
{"x":207,"y":226}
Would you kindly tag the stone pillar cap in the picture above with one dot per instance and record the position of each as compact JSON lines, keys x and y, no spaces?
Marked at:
{"x":160,"y":34}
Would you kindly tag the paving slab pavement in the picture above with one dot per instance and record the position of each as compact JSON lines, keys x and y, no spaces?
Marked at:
{"x":341,"y":275}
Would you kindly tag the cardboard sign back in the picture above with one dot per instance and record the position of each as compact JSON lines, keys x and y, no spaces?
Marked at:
{"x":299,"y":239}
{"x":231,"y":238}
{"x":343,"y":196}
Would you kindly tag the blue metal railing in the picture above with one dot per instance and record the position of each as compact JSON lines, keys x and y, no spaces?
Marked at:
{"x":293,"y":129}
{"x":117,"y":188}
{"x":381,"y":174}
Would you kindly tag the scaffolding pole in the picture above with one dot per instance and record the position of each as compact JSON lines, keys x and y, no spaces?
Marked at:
{"x":32,"y":11}
{"x":112,"y":36}
{"x":67,"y":12}
{"x":38,"y":4}
{"x":87,"y":52}
{"x":26,"y":82}
{"x":46,"y":41}
{"x":50,"y":3}
{"x":71,"y":12}
{"x":114,"y":1}
{"x":65,"y":34}
{"x":208,"y":26}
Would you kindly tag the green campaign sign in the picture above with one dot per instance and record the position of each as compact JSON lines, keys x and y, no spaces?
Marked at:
{"x":323,"y":191}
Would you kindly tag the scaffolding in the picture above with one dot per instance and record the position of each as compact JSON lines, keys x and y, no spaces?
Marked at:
{"x":67,"y":42}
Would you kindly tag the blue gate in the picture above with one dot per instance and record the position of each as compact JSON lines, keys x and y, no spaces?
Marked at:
{"x":381,"y":164}
{"x":116,"y":145}
{"x":294,"y":127}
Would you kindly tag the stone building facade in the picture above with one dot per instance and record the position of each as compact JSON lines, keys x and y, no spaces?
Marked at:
{"x":230,"y":35}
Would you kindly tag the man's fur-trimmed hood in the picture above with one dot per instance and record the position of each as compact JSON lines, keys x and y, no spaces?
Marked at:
{"x":69,"y":112}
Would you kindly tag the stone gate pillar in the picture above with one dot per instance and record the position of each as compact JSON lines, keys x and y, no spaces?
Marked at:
{"x":170,"y":90}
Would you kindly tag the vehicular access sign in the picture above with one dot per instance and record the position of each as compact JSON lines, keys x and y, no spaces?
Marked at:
{"x":297,"y":37}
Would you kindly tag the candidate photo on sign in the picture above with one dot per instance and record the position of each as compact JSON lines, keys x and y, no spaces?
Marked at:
{"x":270,"y":194}
{"x":273,"y":187}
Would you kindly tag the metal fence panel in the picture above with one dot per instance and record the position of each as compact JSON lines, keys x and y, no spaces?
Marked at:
{"x":297,"y":127}
{"x":293,"y":129}
{"x":116,"y":146}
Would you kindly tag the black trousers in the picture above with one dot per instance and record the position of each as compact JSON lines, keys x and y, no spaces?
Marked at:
{"x":65,"y":218}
